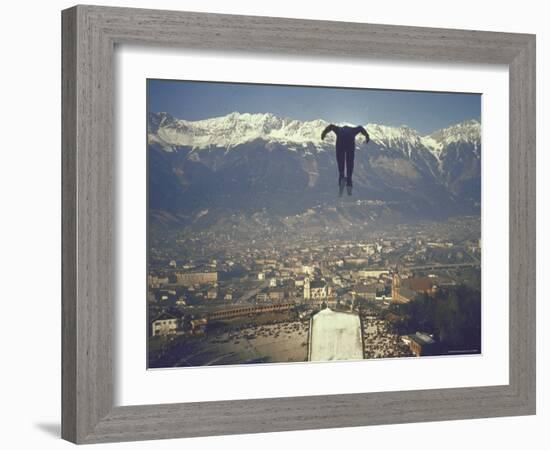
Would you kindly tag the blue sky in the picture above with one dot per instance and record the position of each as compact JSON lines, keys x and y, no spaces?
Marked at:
{"x":423,"y":111}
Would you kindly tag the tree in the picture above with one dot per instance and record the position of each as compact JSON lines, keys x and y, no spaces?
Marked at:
{"x":453,"y":315}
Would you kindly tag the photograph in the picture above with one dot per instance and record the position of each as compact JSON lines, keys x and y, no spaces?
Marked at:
{"x":262,"y":225}
{"x":310,"y":223}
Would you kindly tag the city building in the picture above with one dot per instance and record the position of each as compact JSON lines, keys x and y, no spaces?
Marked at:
{"x":356,"y":261}
{"x":421,"y":344}
{"x":374,"y":273}
{"x":316,"y":290}
{"x":156,"y":282}
{"x":403,"y":295}
{"x":396,"y":286}
{"x":198,"y":326}
{"x":383,"y":296}
{"x":237,"y":311}
{"x":366,"y":291}
{"x":164,"y":324}
{"x":261,"y":297}
{"x":401,"y":291}
{"x":191,"y":278}
{"x":166,"y":294}
{"x":425,"y":285}
{"x":406,"y":289}
{"x":276,"y":294}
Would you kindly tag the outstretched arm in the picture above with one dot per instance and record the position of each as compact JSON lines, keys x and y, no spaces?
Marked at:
{"x":364,"y":133}
{"x":327,"y":130}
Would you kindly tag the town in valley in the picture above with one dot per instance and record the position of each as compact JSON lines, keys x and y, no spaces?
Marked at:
{"x":215,"y":299}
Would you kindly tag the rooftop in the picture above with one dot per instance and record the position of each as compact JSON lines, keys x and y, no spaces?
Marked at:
{"x":419,"y":284}
{"x":422,"y":338}
{"x":164,"y":316}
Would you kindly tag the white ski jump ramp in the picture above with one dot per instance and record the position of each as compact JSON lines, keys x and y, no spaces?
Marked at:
{"x":335,"y":336}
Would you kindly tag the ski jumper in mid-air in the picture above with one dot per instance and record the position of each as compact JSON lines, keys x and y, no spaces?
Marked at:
{"x":345,"y":151}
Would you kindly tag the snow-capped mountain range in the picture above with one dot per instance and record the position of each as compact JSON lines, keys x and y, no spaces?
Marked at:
{"x":236,"y":128}
{"x":244,"y":160}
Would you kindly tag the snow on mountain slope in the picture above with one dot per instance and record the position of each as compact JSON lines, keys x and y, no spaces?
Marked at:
{"x":401,"y":138}
{"x":236,"y":128}
{"x":467,"y":132}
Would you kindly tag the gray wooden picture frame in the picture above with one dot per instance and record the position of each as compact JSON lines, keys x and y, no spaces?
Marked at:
{"x":90,"y":34}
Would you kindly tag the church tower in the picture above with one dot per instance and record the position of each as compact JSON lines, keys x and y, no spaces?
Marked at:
{"x":395,"y":284}
{"x":307,"y":292}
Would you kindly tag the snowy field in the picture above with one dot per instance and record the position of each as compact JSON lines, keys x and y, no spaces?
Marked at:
{"x":335,"y":336}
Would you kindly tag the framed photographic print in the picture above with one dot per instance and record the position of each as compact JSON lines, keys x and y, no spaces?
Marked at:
{"x":266,"y":230}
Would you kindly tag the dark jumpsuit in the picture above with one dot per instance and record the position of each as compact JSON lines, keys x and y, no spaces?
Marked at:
{"x":345,"y":147}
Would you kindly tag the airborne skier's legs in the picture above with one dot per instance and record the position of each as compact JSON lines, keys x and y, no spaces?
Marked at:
{"x":350,"y":158}
{"x":341,"y":160}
